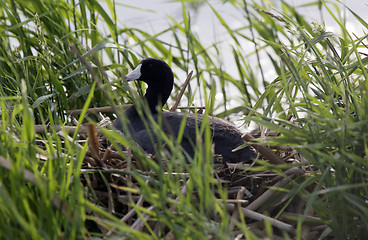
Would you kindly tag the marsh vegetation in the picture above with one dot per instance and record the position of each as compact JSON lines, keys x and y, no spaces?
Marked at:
{"x":308,"y":122}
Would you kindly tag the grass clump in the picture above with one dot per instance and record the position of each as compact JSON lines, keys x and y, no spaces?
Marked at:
{"x":309,"y":181}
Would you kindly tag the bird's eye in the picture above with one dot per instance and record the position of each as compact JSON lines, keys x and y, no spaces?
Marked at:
{"x":150,"y":66}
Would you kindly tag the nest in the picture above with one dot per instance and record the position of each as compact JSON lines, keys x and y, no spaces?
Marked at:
{"x":256,"y":198}
{"x":257,"y":194}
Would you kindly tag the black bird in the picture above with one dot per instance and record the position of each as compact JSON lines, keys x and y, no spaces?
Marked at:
{"x":160,"y":79}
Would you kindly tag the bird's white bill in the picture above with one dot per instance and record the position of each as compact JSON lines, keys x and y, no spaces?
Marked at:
{"x":134,"y":75}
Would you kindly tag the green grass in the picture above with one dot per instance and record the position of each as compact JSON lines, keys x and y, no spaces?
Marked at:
{"x":317,"y":102}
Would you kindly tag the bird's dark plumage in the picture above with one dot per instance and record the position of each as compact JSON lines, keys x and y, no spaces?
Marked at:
{"x":159,"y":78}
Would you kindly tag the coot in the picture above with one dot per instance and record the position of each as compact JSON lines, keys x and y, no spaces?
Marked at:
{"x":160,"y":79}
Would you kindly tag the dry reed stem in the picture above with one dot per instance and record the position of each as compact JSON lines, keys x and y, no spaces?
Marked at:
{"x":309,"y":219}
{"x":234,"y":201}
{"x":235,"y":215}
{"x":266,"y":195}
{"x":306,"y":231}
{"x":69,"y":129}
{"x":139,"y":223}
{"x":266,"y":152}
{"x":110,"y":201}
{"x":260,"y":217}
{"x":131,"y":212}
{"x":173,"y":108}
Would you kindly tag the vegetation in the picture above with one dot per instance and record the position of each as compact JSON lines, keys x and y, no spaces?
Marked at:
{"x":311,"y":116}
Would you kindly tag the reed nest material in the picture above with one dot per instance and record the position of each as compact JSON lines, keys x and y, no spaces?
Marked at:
{"x":253,"y":197}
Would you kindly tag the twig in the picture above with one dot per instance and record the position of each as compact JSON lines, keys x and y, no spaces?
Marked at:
{"x":181,"y":92}
{"x":191,"y":107}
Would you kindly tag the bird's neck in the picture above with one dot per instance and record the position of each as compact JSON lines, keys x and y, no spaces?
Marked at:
{"x":156,"y":97}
